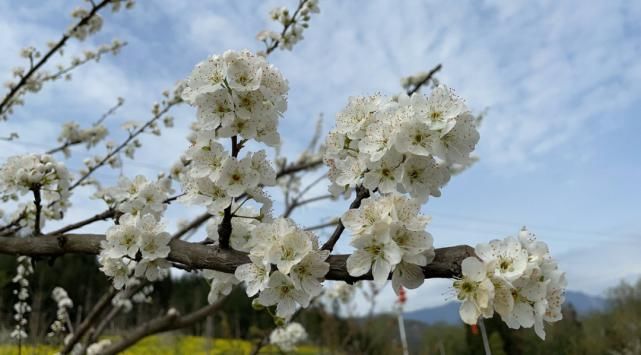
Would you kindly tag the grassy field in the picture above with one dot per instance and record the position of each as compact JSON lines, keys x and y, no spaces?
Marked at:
{"x":172,"y":345}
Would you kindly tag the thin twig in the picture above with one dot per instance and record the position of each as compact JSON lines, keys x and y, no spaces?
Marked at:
{"x":98,"y":217}
{"x":95,"y":333}
{"x":294,"y":168}
{"x":425,"y":80}
{"x":5,"y":104}
{"x":296,"y":203}
{"x":92,"y":317}
{"x":110,"y":112}
{"x":115,"y":151}
{"x":38,"y":202}
{"x":197,"y":222}
{"x":275,"y":44}
{"x":361,"y":193}
{"x":172,"y":320}
{"x":323,"y":225}
{"x":68,"y":144}
{"x":225,"y":227}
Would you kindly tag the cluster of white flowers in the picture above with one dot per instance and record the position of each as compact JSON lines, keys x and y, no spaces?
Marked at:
{"x":243,"y":225}
{"x":517,"y":278}
{"x":293,"y":24}
{"x":402,"y":145}
{"x":23,"y":174}
{"x":214,"y":177}
{"x":64,"y":304}
{"x":341,"y":292}
{"x":132,"y":293}
{"x":286,"y":338}
{"x":299,"y":266}
{"x":389,"y":234}
{"x":73,"y":134}
{"x":24,"y":269}
{"x":91,"y":26}
{"x":139,"y":196}
{"x":221,"y":284}
{"x":138,"y":245}
{"x":238,"y":94}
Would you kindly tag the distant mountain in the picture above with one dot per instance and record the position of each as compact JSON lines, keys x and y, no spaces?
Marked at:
{"x":448,"y":313}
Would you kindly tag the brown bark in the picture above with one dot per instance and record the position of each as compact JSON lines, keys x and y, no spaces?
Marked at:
{"x":446,"y":264}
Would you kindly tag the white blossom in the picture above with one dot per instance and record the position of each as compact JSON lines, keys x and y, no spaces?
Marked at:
{"x":507,"y":256}
{"x":286,"y":338}
{"x":475,"y":290}
{"x":384,"y":174}
{"x":139,"y":196}
{"x":237,"y":176}
{"x":238,"y":93}
{"x":308,"y":273}
{"x":440,"y":110}
{"x":255,"y":275}
{"x":24,"y":269}
{"x":376,"y":251}
{"x":456,"y":145}
{"x":282,"y":292}
{"x":221,"y":284}
{"x":152,"y":269}
{"x":528,"y":289}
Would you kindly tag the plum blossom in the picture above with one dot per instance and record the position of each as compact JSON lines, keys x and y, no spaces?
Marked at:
{"x":286,"y":338}
{"x":282,"y":292}
{"x":528,"y":288}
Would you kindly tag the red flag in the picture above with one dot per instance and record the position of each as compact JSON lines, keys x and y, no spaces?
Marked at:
{"x":401,"y":296}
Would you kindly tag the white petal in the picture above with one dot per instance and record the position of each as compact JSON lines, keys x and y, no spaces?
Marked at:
{"x":473,"y":268}
{"x":469,"y":313}
{"x":380,"y":270}
{"x":359,"y":263}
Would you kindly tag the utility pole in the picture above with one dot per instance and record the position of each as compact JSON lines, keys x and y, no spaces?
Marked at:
{"x":401,"y":323}
{"x":486,"y":342}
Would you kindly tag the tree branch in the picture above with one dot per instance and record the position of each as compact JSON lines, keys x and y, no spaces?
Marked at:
{"x":331,"y":223}
{"x":133,"y":135}
{"x":38,"y":202}
{"x":172,"y":320}
{"x":275,"y":44}
{"x":71,"y":143}
{"x":224,"y":228}
{"x":98,"y":217}
{"x":96,"y":332}
{"x":296,"y":203}
{"x":446,"y":264}
{"x":197,"y":222}
{"x":97,"y":309}
{"x":361,"y":194}
{"x":427,"y":78}
{"x":294,"y":168}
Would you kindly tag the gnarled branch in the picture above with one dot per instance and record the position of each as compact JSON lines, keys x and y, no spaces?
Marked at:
{"x":172,"y":320}
{"x":446,"y":264}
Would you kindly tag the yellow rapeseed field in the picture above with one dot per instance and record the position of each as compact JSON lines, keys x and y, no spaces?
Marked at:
{"x":173,"y":345}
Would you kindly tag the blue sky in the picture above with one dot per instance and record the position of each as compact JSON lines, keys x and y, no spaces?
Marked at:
{"x":561,"y":81}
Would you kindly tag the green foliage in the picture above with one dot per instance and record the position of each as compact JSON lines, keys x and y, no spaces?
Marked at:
{"x":616,"y":330}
